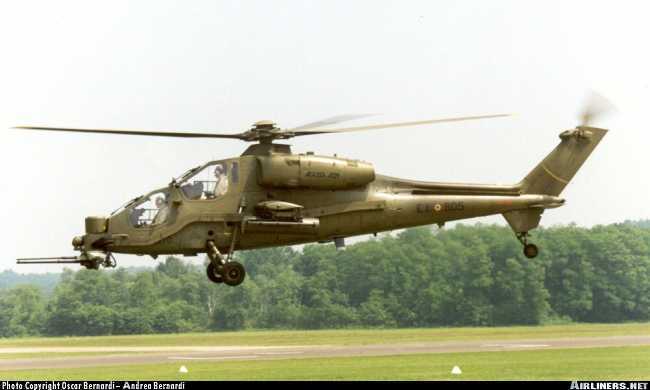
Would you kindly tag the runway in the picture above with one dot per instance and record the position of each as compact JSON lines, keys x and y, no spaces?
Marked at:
{"x":103,"y":356}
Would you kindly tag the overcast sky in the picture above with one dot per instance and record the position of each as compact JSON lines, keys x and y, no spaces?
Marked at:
{"x":220,"y":66}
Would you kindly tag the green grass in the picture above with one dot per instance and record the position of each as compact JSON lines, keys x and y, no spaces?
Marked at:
{"x":49,"y":355}
{"x":338,"y":337}
{"x":631,"y":363}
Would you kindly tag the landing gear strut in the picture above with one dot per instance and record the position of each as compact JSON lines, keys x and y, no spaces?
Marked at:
{"x":530,"y":250}
{"x":223,"y":270}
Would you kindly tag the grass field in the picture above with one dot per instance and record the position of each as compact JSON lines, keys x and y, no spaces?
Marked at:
{"x":43,"y":355}
{"x":631,"y":363}
{"x":576,"y":363}
{"x":339,"y":336}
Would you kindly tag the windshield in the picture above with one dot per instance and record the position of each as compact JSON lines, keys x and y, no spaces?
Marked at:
{"x":187,"y":174}
{"x":127,"y":204}
{"x":210,"y":182}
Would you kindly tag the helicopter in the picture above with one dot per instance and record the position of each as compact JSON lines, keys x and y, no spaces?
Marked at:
{"x":269,"y":196}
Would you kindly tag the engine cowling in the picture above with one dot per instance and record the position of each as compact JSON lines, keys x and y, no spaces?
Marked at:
{"x":317,"y":172}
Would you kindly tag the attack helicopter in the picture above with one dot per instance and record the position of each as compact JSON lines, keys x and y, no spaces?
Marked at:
{"x":270,"y":196}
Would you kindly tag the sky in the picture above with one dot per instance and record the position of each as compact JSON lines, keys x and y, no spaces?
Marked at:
{"x":222,"y":65}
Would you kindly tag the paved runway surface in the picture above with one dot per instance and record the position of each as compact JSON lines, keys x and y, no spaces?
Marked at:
{"x":150,"y":355}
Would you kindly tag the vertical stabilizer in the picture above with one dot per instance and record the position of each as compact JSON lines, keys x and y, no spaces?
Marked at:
{"x":558,"y":168}
{"x":554,"y":173}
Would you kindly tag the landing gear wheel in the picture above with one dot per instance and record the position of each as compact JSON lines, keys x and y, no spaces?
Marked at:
{"x":213,"y":274}
{"x":530,"y":251}
{"x":233,"y":273}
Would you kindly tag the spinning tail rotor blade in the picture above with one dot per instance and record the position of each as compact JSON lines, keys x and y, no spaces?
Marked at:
{"x":596,"y":106}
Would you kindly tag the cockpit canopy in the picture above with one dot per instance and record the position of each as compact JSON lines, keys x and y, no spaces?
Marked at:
{"x":205,"y":183}
{"x":209,"y":182}
{"x":152,"y":209}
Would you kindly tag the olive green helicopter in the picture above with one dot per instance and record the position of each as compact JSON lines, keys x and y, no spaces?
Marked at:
{"x":270,"y":196}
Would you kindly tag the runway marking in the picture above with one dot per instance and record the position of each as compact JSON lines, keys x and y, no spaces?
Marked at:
{"x":130,"y":349}
{"x":244,"y":353}
{"x":212,"y":357}
{"x":257,"y":355}
{"x":516,"y":345}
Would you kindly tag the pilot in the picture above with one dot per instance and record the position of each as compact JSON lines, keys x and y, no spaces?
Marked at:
{"x":163,"y":210}
{"x":222,"y":180}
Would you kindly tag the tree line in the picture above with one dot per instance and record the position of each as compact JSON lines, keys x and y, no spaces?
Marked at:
{"x":465,"y":276}
{"x":45,"y":282}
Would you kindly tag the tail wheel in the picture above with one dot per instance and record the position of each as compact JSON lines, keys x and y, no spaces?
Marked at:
{"x":213,"y":274}
{"x":531,"y":251}
{"x":233,"y":273}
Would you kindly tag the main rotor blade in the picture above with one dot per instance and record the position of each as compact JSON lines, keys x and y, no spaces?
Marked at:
{"x":331,"y":121}
{"x":134,"y":132}
{"x":399,"y":124}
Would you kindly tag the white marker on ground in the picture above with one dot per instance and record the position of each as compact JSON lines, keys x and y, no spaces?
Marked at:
{"x":456,"y":370}
{"x":183,"y":370}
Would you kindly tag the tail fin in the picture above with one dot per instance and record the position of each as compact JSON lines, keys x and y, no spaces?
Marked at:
{"x":554,"y":172}
{"x":558,"y":168}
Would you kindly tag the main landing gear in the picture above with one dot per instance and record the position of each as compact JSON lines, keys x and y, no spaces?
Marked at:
{"x":530,"y":250}
{"x":223,"y":270}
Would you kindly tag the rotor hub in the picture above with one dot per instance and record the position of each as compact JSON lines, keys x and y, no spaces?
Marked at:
{"x":264,"y":125}
{"x":265,"y":131}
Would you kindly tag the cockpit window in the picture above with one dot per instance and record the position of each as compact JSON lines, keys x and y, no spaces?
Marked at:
{"x":211,"y":182}
{"x":126,"y":205}
{"x":153,"y":210}
{"x":234,"y":172}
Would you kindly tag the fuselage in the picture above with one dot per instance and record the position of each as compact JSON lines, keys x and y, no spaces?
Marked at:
{"x":383,"y":204}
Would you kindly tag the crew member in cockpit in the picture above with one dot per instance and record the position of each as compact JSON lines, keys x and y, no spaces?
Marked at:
{"x":222,"y":180}
{"x":163,"y":210}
